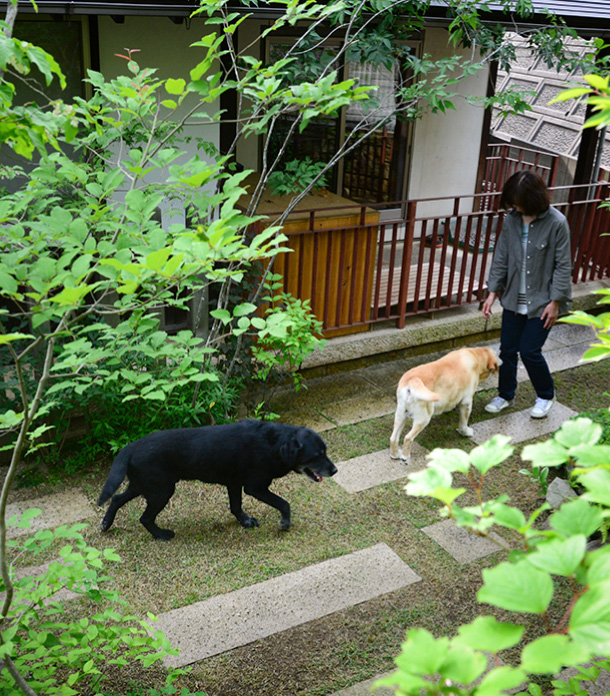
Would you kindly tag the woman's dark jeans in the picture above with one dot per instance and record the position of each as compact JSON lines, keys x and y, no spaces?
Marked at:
{"x":525,"y":337}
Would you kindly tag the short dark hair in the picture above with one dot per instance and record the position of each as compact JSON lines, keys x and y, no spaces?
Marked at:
{"x":527,"y":191}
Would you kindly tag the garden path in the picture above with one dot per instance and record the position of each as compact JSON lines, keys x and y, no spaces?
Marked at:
{"x":200,"y":629}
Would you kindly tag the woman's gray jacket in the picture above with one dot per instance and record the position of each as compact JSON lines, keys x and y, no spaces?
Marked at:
{"x":548,"y":263}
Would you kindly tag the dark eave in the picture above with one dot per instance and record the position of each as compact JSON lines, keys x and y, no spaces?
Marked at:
{"x":588,"y":17}
{"x":109,"y":7}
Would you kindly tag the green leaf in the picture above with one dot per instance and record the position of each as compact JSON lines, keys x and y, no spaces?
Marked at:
{"x":549,"y":654}
{"x":590,"y":618}
{"x":175,"y":86}
{"x":572,"y":93}
{"x":26,"y":517}
{"x":549,"y":453}
{"x":597,"y":82}
{"x":581,"y":431}
{"x":499,"y":680}
{"x":422,"y":653}
{"x":447,"y":495}
{"x":156,"y":395}
{"x":81,"y":265}
{"x":576,"y":517}
{"x":517,"y":587}
{"x":17,"y":336}
{"x":597,"y":352}
{"x":560,"y":556}
{"x":222,"y":314}
{"x":450,"y":459}
{"x":403,"y":682}
{"x":597,"y":483}
{"x":487,"y":633}
{"x":507,"y":516}
{"x":491,"y":453}
{"x":591,"y":455}
{"x":244,"y":309}
{"x":424,"y":482}
{"x":599,"y":570}
{"x":258,"y":323}
{"x":157,"y":259}
{"x":8,"y":284}
{"x":463,"y":665}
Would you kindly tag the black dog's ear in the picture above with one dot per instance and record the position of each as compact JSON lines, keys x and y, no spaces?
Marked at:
{"x":289,"y":450}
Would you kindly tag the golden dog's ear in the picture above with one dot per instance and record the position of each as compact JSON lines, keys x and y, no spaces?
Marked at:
{"x":492,"y":362}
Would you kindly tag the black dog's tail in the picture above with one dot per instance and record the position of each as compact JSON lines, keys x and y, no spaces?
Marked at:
{"x":117,"y":474}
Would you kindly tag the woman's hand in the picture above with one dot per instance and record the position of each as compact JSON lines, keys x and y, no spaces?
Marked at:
{"x":486,"y":308}
{"x":550,"y":315}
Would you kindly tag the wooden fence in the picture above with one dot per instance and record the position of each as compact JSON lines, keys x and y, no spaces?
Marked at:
{"x":421,"y":263}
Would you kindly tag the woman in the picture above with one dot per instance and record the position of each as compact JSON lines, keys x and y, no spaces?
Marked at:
{"x":531,"y":273}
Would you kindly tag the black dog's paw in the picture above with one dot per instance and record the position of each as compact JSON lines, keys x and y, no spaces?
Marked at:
{"x":248,"y":521}
{"x":285,"y":524}
{"x":104,"y":526}
{"x":164,"y":534}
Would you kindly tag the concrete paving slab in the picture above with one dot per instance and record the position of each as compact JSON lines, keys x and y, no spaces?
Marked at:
{"x":363,"y":407}
{"x":227,"y":621}
{"x":307,"y":417}
{"x":374,"y":469}
{"x":550,"y":345}
{"x":567,"y":357}
{"x":57,"y":509}
{"x":569,"y":334}
{"x":520,"y":426}
{"x":463,"y":545}
{"x":323,"y":390}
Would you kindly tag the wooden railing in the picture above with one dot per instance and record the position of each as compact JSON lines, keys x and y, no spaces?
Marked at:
{"x":504,"y":160}
{"x":386,"y":271}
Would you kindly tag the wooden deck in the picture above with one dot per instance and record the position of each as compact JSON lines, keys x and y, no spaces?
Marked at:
{"x":423,"y":284}
{"x":436,"y":288}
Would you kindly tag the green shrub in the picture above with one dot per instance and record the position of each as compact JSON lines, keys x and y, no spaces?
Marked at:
{"x":110,"y":423}
{"x":575,"y":631}
{"x":58,"y":651}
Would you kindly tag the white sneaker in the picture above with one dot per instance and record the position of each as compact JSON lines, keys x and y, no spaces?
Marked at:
{"x":498,"y":404}
{"x":542,"y":407}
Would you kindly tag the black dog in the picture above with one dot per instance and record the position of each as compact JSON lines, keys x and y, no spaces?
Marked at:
{"x":247,"y":455}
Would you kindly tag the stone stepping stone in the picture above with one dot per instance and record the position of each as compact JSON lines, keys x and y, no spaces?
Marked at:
{"x":237,"y":618}
{"x":520,"y":426}
{"x":360,"y":408}
{"x":463,"y":545}
{"x":57,"y":509}
{"x":370,"y":470}
{"x":308,"y":418}
{"x":570,"y":334}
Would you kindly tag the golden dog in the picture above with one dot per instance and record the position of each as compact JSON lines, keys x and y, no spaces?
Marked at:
{"x":437,"y":387}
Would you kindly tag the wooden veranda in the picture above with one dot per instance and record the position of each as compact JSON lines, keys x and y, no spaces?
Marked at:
{"x":434,"y":256}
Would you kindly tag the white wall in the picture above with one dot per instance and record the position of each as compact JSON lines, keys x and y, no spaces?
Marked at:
{"x":446,"y":147}
{"x":165,"y":46}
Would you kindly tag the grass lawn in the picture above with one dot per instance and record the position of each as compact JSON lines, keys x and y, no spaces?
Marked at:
{"x":212,"y":554}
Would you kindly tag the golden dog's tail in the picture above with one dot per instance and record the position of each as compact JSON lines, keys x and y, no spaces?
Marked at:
{"x":419,"y":390}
